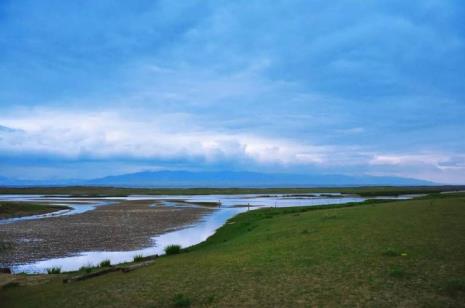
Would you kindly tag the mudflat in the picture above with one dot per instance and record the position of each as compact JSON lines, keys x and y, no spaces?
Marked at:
{"x":126,"y":225}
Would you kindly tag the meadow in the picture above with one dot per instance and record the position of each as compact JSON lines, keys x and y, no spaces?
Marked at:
{"x":380,"y":254}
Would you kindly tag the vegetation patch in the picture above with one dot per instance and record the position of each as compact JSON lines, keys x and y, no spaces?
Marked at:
{"x":172,"y":249}
{"x":4,"y":246}
{"x":9,"y":285}
{"x":86,"y":268}
{"x":277,"y":264}
{"x":390,"y":252}
{"x":397,"y":272}
{"x":455,"y":286}
{"x":105,"y":263}
{"x":138,"y":258}
{"x":330,"y":216}
{"x":180,"y":300}
{"x":54,"y":270}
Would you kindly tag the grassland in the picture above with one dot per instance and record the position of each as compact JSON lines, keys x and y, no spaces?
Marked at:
{"x":93,"y":191}
{"x":403,"y":253}
{"x":18,"y":209}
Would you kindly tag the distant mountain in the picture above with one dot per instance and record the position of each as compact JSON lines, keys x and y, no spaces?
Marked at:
{"x":220,"y":179}
{"x":245,"y":179}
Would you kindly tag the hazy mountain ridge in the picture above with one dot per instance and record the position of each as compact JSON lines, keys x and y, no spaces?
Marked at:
{"x":222,"y":179}
{"x":229,"y":178}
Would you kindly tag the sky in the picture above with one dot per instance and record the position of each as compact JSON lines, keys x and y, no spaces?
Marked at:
{"x":96,"y":88}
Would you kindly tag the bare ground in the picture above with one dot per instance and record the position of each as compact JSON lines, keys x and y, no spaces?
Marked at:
{"x":127,"y":225}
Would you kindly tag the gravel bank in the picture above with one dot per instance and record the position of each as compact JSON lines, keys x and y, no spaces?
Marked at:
{"x":127,"y":225}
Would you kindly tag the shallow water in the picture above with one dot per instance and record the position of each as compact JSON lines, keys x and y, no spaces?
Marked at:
{"x":188,"y":235}
{"x":185,"y":237}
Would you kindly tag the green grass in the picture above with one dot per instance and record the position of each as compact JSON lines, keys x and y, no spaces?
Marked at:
{"x":18,"y":209}
{"x":180,"y":300}
{"x":455,"y":286}
{"x":273,"y":257}
{"x":391,"y":253}
{"x":86,"y":268}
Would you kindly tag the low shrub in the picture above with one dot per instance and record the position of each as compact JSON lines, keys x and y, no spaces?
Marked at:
{"x":54,"y":270}
{"x":172,"y":249}
{"x":105,"y":263}
{"x":138,"y":258}
{"x":86,"y":268}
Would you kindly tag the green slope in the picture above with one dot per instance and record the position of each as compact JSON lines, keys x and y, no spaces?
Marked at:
{"x":408,"y":253}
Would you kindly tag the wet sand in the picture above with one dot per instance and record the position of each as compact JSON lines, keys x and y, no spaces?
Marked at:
{"x":127,"y":225}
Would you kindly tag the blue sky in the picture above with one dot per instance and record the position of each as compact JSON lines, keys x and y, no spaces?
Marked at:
{"x":94,"y":88}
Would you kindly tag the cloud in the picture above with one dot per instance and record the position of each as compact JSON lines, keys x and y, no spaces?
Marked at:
{"x":107,"y":135}
{"x":55,"y":137}
{"x":4,"y":129}
{"x":403,"y":159}
{"x":351,"y":87}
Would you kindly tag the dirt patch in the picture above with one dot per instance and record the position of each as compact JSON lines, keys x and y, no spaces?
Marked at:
{"x":127,"y":225}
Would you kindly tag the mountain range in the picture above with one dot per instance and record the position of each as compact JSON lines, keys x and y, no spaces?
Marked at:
{"x":221,"y":179}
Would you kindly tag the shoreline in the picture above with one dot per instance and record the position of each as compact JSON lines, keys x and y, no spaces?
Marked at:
{"x":40,"y":253}
{"x":127,"y":225}
{"x":219,"y":227}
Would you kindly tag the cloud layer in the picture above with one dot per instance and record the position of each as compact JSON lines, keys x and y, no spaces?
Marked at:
{"x":373,"y":87}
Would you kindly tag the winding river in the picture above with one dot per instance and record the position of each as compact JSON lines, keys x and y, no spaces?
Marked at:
{"x":230,"y":205}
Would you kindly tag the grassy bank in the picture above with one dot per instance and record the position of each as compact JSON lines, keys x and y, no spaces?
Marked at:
{"x":407,"y":253}
{"x":91,"y":191}
{"x":19,"y":209}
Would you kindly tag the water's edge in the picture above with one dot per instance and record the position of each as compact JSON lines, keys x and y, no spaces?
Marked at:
{"x":185,"y":236}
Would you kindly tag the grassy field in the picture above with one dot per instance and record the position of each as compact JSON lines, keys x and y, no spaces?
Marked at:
{"x":18,"y":209}
{"x":91,"y":191}
{"x":405,"y":253}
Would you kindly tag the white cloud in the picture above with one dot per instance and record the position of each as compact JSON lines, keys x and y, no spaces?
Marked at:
{"x":112,"y":134}
{"x":172,"y":138}
{"x":407,"y":159}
